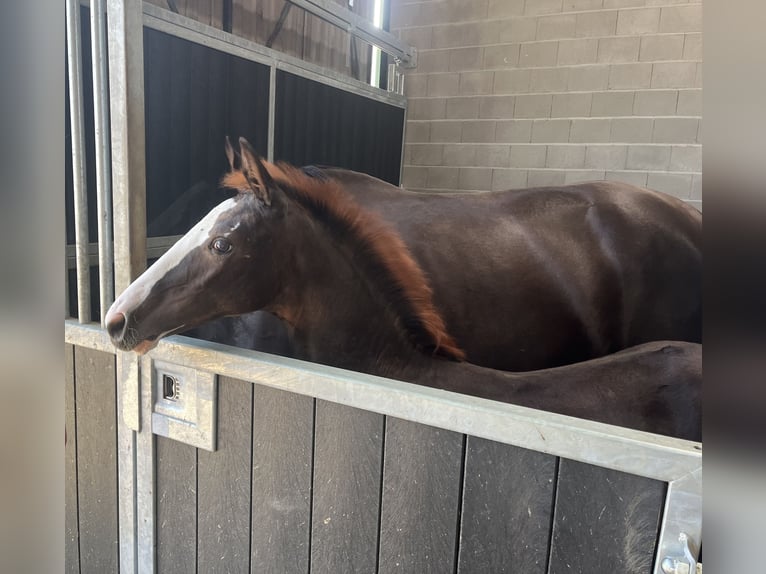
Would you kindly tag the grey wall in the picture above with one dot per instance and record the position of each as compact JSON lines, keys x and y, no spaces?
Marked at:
{"x":515,"y":93}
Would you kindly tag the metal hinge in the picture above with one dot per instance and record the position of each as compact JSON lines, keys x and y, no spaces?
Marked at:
{"x":686,"y":564}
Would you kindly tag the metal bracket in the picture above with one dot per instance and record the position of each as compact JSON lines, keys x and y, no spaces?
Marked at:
{"x":686,"y":564}
{"x":184,"y":404}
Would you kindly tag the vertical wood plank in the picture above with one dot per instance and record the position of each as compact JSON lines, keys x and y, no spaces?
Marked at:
{"x":95,"y":413}
{"x":72,"y":540}
{"x":507,"y":508}
{"x":223,"y":509}
{"x":421,"y":490}
{"x":176,"y":506}
{"x":605,"y":520}
{"x":283,"y":426}
{"x":347,"y":480}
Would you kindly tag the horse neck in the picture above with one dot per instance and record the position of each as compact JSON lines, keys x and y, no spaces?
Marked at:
{"x":338,"y":314}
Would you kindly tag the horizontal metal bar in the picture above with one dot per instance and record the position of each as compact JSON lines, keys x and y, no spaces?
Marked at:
{"x":359,"y":27}
{"x":181,"y":27}
{"x":155,"y":248}
{"x":635,"y":452}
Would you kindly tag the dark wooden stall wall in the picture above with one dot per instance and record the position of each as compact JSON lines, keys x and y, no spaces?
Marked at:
{"x":91,"y":502}
{"x":322,"y":125}
{"x":302,"y":486}
{"x":195,"y":96}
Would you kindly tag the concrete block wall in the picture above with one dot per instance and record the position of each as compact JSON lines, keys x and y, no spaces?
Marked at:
{"x":521,"y":93}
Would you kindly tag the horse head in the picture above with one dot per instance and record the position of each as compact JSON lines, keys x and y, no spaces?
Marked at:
{"x":222,"y":266}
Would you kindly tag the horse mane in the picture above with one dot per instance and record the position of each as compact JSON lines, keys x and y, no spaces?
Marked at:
{"x":405,"y":282}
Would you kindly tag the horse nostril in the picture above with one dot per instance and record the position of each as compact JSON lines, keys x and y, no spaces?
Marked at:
{"x":115,"y":325}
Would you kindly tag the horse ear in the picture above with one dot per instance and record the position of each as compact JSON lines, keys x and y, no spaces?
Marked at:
{"x":259,"y":178}
{"x":230,"y":154}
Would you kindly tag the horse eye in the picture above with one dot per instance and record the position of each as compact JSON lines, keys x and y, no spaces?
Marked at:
{"x":221,"y":245}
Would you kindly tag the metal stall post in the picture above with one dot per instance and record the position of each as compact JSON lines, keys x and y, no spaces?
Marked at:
{"x":103,"y":175}
{"x":78,"y":159}
{"x":126,"y":96}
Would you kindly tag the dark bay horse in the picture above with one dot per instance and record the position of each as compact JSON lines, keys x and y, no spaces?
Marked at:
{"x":537,"y":278}
{"x":355,"y":297}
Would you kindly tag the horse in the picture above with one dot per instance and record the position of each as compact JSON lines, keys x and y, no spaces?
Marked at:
{"x":354,"y":297}
{"x":536,"y":278}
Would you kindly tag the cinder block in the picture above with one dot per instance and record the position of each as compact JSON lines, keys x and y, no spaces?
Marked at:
{"x":611,"y":104}
{"x":417,"y":132}
{"x":426,"y":154}
{"x":686,"y":158}
{"x":571,"y":105}
{"x":655,"y":103}
{"x":675,"y":130}
{"x":689,"y":103}
{"x":403,"y":15}
{"x":549,"y":80}
{"x":674,"y":75}
{"x":413,"y":176}
{"x":596,"y":24}
{"x":576,"y":5}
{"x":632,"y":130}
{"x":533,"y":106}
{"x":675,"y":184}
{"x":581,"y":176}
{"x":576,"y":52}
{"x":538,"y":54}
{"x":526,"y":156}
{"x":426,"y":108}
{"x":466,"y":34}
{"x":502,"y":56}
{"x":537,"y":7}
{"x":415,"y":85}
{"x":606,"y":157}
{"x":430,"y":61}
{"x":633,"y":177}
{"x":443,"y":177}
{"x":551,"y":131}
{"x":445,"y":131}
{"x":420,"y":38}
{"x":648,"y":157}
{"x":565,"y":156}
{"x":505,"y":8}
{"x":618,"y":50}
{"x":503,"y":179}
{"x":478,"y":131}
{"x":589,"y":78}
{"x":518,"y":30}
{"x":492,"y":155}
{"x":454,"y":11}
{"x":556,"y":27}
{"x":681,"y":18}
{"x":638,"y":21}
{"x":697,"y":186}
{"x":462,"y":59}
{"x":497,"y":107}
{"x":443,"y":84}
{"x":475,"y":179}
{"x":658,"y":48}
{"x":693,"y":47}
{"x":514,"y":131}
{"x":512,"y":81}
{"x":630,"y":76}
{"x":624,"y":3}
{"x":545,"y":177}
{"x":459,"y":155}
{"x":462,"y":108}
{"x":666,"y":2}
{"x":698,"y":76}
{"x":475,"y":83}
{"x":590,"y":130}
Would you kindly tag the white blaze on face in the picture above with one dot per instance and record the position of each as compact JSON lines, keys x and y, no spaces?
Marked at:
{"x":197,"y":236}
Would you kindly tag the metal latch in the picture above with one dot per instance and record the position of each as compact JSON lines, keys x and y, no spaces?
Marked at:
{"x":686,"y":564}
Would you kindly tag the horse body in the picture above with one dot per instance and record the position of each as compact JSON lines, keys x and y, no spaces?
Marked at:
{"x":355,"y":298}
{"x":537,"y":278}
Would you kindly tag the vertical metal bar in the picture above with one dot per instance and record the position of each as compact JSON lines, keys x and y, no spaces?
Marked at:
{"x":126,"y":101}
{"x":103,"y":171}
{"x":683,"y":514}
{"x":78,"y":159}
{"x":146,"y":475}
{"x":272,"y":110}
{"x":404,"y":143}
